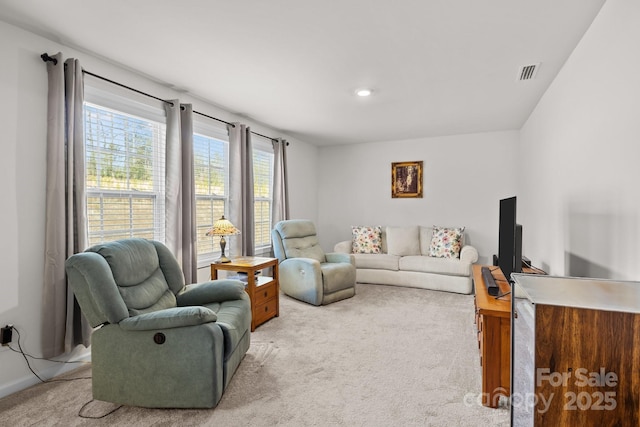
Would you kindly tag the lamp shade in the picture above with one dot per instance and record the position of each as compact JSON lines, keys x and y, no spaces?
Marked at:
{"x":222,"y":227}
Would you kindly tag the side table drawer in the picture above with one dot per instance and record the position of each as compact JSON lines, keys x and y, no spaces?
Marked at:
{"x":264,"y":293}
{"x":265,"y":311}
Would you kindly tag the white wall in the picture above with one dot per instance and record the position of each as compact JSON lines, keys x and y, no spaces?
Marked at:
{"x":580,"y":153}
{"x":23,"y":84}
{"x":465,"y":176}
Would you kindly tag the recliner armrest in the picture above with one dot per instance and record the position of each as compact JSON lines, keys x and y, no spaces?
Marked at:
{"x":340,"y":257}
{"x":306,"y":263}
{"x":176,"y":317}
{"x":208,"y":292}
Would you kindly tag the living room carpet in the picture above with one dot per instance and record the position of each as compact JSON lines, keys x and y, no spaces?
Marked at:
{"x":387,"y":356}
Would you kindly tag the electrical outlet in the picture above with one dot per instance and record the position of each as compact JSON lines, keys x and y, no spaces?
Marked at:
{"x":6,"y":334}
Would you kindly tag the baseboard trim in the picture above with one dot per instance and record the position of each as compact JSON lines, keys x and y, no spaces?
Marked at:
{"x":53,"y":371}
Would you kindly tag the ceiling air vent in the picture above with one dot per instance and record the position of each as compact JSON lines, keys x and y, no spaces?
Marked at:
{"x":528,"y":72}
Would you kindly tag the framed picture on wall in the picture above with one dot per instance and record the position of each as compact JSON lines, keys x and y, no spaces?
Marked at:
{"x":406,"y":179}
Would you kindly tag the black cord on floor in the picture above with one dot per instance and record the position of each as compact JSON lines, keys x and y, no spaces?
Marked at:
{"x":98,"y":417}
{"x":24,"y":354}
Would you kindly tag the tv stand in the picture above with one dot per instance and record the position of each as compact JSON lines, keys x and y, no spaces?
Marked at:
{"x":493,"y":323}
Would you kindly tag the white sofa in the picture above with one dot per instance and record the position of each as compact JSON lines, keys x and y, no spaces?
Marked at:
{"x":405,"y":261}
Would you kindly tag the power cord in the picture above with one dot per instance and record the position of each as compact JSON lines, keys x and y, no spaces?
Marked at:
{"x":25,"y":355}
{"x":502,"y":295}
{"x":529,"y":265}
{"x":81,"y":415}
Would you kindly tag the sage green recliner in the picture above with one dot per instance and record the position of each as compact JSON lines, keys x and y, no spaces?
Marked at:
{"x":307,"y":273}
{"x":158,"y":343}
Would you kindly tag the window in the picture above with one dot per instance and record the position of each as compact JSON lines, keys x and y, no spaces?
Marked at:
{"x":124,"y":175}
{"x":263,"y":195}
{"x":211,"y":174}
{"x":125,"y":166}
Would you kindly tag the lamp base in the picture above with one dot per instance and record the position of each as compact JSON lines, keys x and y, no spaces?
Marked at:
{"x":223,"y":258}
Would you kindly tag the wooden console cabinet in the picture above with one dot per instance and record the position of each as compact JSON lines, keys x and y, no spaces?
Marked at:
{"x":264,"y":291}
{"x":576,"y":352}
{"x":493,"y":323}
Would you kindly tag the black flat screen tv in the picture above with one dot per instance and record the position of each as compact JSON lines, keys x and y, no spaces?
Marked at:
{"x":510,"y":239}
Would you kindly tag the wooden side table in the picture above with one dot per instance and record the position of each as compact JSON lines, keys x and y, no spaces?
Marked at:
{"x":264,"y":291}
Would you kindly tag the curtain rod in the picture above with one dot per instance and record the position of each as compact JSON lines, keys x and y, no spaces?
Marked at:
{"x":46,"y":58}
{"x":231,"y":124}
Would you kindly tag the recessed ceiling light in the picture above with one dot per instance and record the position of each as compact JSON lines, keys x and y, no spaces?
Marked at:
{"x":364,"y":92}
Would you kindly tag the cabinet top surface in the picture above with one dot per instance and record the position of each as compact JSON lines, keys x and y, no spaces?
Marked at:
{"x":487,"y":303}
{"x":245,"y":261}
{"x":597,"y":294}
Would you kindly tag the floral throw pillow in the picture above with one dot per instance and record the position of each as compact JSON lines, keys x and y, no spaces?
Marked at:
{"x":366,"y":240}
{"x":446,"y":242}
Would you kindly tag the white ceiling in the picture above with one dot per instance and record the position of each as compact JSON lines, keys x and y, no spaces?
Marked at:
{"x":438,"y":67}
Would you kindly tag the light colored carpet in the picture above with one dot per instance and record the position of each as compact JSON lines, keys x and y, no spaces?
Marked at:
{"x":388,"y":356}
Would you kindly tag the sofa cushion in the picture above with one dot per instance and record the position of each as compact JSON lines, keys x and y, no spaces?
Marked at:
{"x":446,"y":242}
{"x":403,"y":241}
{"x":426,"y":233}
{"x":377,"y":261}
{"x":426,"y":264}
{"x":366,"y":239}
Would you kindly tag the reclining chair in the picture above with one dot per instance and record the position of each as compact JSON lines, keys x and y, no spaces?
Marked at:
{"x":159,"y":343}
{"x":306,"y":272}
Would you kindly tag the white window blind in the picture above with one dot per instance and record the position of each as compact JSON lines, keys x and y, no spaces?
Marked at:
{"x":124,"y":175}
{"x":263,"y":195}
{"x":211,"y":173}
{"x":125,"y":156}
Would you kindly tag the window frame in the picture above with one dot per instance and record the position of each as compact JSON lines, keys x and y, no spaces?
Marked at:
{"x":112,"y":101}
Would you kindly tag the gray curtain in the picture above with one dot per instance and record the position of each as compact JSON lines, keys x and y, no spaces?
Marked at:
{"x":280,"y":207}
{"x":180,"y":202}
{"x":63,"y":325}
{"x":241,"y":203}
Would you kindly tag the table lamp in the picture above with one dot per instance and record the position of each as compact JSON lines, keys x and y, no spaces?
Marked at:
{"x":222,"y":227}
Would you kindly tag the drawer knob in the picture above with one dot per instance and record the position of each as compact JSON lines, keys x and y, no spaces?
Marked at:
{"x":265,"y":294}
{"x":266,"y":308}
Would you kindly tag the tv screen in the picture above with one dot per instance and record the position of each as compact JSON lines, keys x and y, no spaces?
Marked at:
{"x":510,"y":239}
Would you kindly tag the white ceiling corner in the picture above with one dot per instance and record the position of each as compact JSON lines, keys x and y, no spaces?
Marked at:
{"x":438,"y":67}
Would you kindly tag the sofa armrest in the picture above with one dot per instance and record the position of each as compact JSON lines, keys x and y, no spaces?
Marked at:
{"x":469,"y":254}
{"x":340,"y":257}
{"x":176,"y":317}
{"x":343,"y":247}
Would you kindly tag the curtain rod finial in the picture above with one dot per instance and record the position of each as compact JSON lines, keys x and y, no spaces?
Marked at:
{"x":46,"y":58}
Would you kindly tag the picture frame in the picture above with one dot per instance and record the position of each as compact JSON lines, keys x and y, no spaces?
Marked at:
{"x":406,"y":179}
